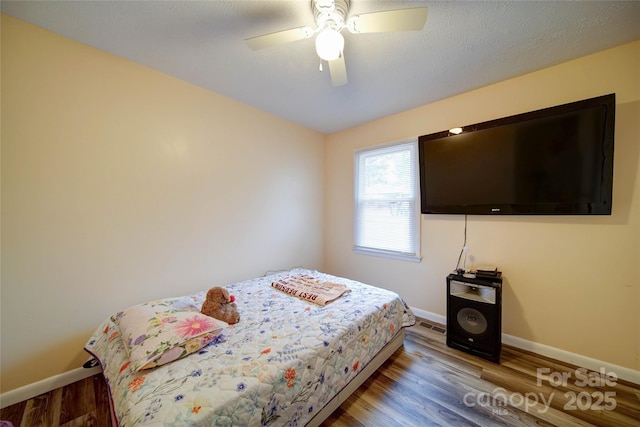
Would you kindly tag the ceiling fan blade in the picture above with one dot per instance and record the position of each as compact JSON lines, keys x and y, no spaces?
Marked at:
{"x":338,"y":71}
{"x":412,"y":19}
{"x":279,"y":37}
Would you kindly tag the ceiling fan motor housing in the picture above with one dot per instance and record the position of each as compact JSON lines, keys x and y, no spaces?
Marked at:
{"x":330,"y":13}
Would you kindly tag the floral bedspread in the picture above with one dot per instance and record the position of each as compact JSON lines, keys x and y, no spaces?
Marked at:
{"x":280,"y":365}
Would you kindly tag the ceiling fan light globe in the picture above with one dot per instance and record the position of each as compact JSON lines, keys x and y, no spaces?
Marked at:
{"x":329,"y":44}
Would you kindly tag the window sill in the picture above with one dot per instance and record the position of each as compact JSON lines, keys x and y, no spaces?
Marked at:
{"x":387,"y":254}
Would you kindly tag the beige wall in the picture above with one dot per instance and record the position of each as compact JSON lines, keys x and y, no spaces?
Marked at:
{"x":571,"y":283}
{"x":121,"y":185}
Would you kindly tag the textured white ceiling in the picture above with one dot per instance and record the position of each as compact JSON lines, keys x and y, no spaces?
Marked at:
{"x":464,"y":45}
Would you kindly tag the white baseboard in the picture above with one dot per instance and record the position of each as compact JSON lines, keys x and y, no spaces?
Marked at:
{"x":592,"y":364}
{"x":46,"y":385}
{"x":579,"y":360}
{"x":429,"y":316}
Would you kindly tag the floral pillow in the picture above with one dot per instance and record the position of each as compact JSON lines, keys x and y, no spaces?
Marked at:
{"x":156,"y":333}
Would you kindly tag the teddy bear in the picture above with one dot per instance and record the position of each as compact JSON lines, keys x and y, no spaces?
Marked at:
{"x":220,"y":304}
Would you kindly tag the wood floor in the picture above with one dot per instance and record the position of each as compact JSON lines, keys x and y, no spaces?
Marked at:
{"x":424,"y":383}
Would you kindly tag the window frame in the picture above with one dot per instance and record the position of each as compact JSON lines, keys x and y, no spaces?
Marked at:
{"x":386,"y":253}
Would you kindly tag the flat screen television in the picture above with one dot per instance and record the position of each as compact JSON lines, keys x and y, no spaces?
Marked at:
{"x":554,"y":161}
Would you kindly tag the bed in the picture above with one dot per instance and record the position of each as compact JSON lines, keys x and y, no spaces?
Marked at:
{"x":288,"y":361}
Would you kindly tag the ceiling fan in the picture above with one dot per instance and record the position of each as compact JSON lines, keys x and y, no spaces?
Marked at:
{"x":331,"y":18}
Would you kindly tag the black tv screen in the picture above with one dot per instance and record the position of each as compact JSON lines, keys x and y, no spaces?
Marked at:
{"x":555,"y":161}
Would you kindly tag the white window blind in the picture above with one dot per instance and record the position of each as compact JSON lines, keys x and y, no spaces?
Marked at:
{"x":387,"y":216}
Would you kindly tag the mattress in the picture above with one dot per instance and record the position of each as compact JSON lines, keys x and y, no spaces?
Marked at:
{"x":281,"y":364}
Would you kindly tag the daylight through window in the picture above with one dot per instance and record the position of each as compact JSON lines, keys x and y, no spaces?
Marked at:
{"x":386,"y":205}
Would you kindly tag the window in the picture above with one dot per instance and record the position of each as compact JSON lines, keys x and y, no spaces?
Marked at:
{"x":387,"y":216}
